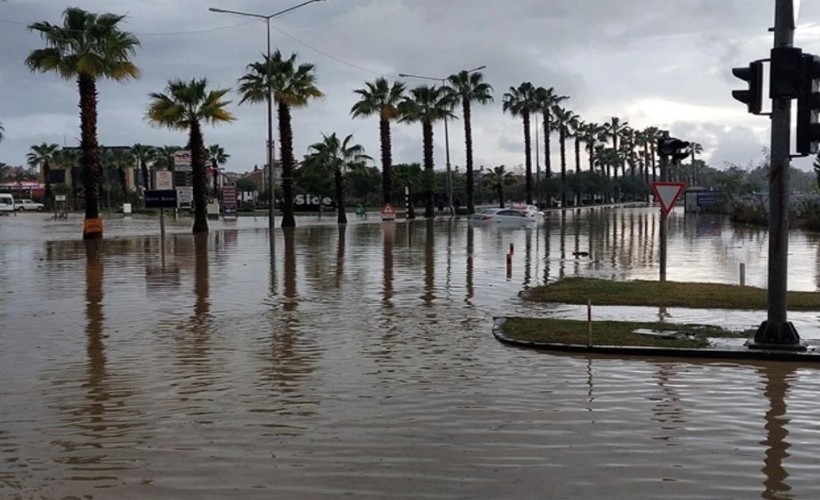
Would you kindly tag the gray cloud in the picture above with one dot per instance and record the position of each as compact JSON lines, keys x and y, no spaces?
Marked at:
{"x":665,"y":62}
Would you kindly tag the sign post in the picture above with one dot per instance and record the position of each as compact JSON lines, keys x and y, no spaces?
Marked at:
{"x":161,"y":199}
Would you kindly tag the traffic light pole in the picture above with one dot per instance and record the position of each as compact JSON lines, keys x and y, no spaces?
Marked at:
{"x":776,"y":332}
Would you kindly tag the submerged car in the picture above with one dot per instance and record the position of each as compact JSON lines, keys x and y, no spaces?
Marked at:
{"x":499,"y":216}
{"x":529,"y":210}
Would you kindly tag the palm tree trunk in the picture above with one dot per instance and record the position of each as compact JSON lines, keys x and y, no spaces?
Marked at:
{"x":429,"y":200}
{"x":562,"y":138}
{"x":578,"y":167}
{"x":341,"y":215}
{"x":547,"y":134}
{"x":468,"y":142}
{"x":286,"y":142}
{"x":500,"y":191}
{"x":144,"y":168}
{"x":215,"y":167}
{"x":387,"y":161}
{"x":90,"y":157}
{"x":47,"y":180}
{"x":200,"y":180}
{"x":527,"y":155}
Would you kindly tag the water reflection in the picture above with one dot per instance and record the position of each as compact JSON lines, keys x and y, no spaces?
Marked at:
{"x":777,"y":420}
{"x":367,"y":348}
{"x":94,"y":405}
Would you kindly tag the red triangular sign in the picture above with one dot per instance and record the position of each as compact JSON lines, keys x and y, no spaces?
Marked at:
{"x":667,"y":193}
{"x":388,"y":209}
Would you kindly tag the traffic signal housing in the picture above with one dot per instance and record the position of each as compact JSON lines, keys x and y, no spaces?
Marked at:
{"x":808,"y":105}
{"x":753,"y":96}
{"x":675,"y":148}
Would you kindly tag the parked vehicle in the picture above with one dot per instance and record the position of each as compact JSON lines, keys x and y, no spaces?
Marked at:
{"x":502,"y":216}
{"x":6,"y":203}
{"x":28,"y":205}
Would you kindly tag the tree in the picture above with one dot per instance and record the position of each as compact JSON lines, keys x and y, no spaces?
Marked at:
{"x":696,"y":150}
{"x":337,"y":158}
{"x":87,"y":47}
{"x":119,"y":159}
{"x":521,"y":102}
{"x":217,"y":156}
{"x":143,"y":155}
{"x":546,"y":100}
{"x":290,"y":86}
{"x":496,"y":179}
{"x":382,"y":99}
{"x":468,"y":88}
{"x":564,"y":119}
{"x":42,"y":157}
{"x":427,"y":104}
{"x":187,"y":105}
{"x":2,"y":131}
{"x":816,"y":166}
{"x":165,"y":157}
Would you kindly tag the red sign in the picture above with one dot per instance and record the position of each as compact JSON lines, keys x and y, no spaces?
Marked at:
{"x":667,"y":193}
{"x":388,"y":212}
{"x":229,"y":198}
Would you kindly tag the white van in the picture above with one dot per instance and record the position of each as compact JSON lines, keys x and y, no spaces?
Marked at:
{"x":6,"y":203}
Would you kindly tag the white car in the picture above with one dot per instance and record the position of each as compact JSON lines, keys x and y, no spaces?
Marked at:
{"x":25,"y":204}
{"x":529,"y":210}
{"x":501,"y":216}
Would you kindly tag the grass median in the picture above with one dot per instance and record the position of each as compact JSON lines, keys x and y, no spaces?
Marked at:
{"x":642,"y":293}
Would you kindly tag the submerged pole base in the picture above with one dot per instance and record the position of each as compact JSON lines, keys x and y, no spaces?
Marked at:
{"x":776,"y":337}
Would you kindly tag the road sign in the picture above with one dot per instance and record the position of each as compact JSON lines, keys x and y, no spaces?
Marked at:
{"x":182,"y":158}
{"x":667,"y":193}
{"x":163,"y":179}
{"x":161,"y":198}
{"x":185,"y":195}
{"x":229,"y":198}
{"x":388,"y":212}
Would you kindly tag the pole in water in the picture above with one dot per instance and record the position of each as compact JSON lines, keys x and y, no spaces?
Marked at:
{"x":512,"y":249}
{"x":509,"y":265}
{"x":742,"y":274}
{"x":162,"y":235}
{"x":589,"y":321}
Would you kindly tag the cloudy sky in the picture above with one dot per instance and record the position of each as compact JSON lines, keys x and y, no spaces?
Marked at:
{"x":649,"y":62}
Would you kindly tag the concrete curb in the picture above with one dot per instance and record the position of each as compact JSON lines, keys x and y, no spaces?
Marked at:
{"x":706,"y":353}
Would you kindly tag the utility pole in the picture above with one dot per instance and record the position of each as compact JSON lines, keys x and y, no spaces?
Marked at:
{"x":776,"y":332}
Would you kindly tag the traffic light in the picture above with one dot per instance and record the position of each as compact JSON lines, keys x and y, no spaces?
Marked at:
{"x":676,"y":148}
{"x":786,"y":73}
{"x":753,"y":97}
{"x":808,"y":104}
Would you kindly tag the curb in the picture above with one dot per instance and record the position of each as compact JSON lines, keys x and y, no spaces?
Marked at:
{"x":676,"y":352}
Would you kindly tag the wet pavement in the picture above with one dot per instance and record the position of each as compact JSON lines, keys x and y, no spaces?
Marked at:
{"x":359,"y":362}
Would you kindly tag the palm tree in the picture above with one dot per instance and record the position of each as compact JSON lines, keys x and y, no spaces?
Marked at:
{"x":42,"y":156}
{"x":383,"y":99}
{"x":521,"y":102}
{"x":218,"y":156}
{"x":469,"y":88}
{"x":290,"y":86}
{"x":615,"y":129}
{"x":338,"y":157}
{"x":2,"y":130}
{"x":87,"y":47}
{"x":118,"y":159}
{"x":563,"y":121}
{"x":546,"y":100}
{"x":186,"y":105}
{"x":496,"y":179}
{"x":427,"y":104}
{"x":144,"y":155}
{"x":696,"y":150}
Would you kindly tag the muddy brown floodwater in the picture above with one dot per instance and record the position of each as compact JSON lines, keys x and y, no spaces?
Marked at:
{"x":358,"y":362}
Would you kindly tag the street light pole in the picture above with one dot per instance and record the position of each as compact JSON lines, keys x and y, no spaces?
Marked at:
{"x":449,"y":177}
{"x":269,"y":98}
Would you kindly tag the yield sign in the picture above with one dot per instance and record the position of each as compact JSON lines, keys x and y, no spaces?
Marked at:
{"x":667,"y":193}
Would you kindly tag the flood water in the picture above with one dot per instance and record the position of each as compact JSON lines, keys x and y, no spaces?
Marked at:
{"x":358,"y":363}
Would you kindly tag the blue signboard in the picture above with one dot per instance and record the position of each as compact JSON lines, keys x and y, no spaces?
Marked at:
{"x":707,"y":199}
{"x":161,"y":198}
